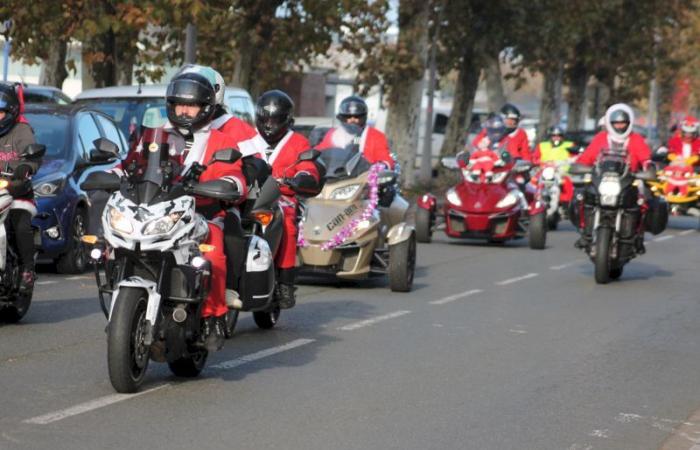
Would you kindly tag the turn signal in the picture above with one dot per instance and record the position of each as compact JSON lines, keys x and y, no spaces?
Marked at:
{"x":264,"y":217}
{"x":206,"y":248}
{"x":89,"y":239}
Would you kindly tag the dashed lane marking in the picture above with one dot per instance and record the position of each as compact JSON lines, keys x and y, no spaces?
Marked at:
{"x":79,"y":277}
{"x":687,"y":232}
{"x":452,"y":298}
{"x":43,"y":283}
{"x":663,"y":238}
{"x":227,"y":365}
{"x":516,"y":279}
{"x":368,"y":322}
{"x":564,"y":266}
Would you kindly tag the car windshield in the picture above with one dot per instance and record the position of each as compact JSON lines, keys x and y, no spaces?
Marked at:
{"x":52,"y":130}
{"x":130,"y":113}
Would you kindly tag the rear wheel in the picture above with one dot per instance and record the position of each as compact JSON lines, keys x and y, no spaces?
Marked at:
{"x":74,"y":261}
{"x":538,"y":231}
{"x":15,"y":312}
{"x":424,"y":222}
{"x":127,"y":353}
{"x":402,"y":265}
{"x":267,"y":319}
{"x":190,"y":366}
{"x":602,"y":256}
{"x":231,"y":320}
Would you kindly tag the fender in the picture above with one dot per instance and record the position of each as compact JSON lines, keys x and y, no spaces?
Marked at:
{"x":153,"y":298}
{"x":427,"y":201}
{"x":399,"y":233}
{"x":536,"y":207}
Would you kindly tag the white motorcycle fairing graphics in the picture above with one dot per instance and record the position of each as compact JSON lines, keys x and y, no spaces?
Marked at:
{"x":5,"y":206}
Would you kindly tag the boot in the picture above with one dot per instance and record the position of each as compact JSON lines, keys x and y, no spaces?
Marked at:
{"x":285,"y":294}
{"x":584,"y":242}
{"x":26,"y":283}
{"x":212,"y":336}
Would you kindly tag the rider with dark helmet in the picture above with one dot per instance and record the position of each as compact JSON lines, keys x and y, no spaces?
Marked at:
{"x":190,"y":107}
{"x":518,"y":145}
{"x":280,"y":146}
{"x":15,"y":136}
{"x":352,"y":114}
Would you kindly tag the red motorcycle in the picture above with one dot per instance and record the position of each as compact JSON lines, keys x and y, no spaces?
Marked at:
{"x":487,"y":204}
{"x":557,"y":190}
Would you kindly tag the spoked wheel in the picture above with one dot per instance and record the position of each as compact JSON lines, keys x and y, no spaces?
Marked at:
{"x":402,"y":265}
{"x":602,"y":262}
{"x":127,"y":353}
{"x":424,"y":225}
{"x":231,"y":320}
{"x":74,"y":261}
{"x":190,"y":366}
{"x":267,"y":319}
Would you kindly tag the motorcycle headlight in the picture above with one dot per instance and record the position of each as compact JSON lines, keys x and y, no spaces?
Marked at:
{"x":162,"y":225}
{"x":345,"y":192}
{"x":453,"y":198}
{"x":120,"y":222}
{"x":548,"y":173}
{"x":609,"y":189}
{"x":49,"y":188}
{"x":509,"y":200}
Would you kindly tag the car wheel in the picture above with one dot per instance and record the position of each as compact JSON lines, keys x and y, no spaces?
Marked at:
{"x":74,"y":260}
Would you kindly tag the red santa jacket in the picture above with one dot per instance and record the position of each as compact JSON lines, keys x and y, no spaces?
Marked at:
{"x":234,"y":127}
{"x":637,"y":149}
{"x":516,"y":143}
{"x":207,"y":142}
{"x":284,"y":156}
{"x":675,"y":146}
{"x":373,"y":144}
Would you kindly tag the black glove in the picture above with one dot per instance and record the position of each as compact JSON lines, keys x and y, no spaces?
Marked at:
{"x":20,"y":188}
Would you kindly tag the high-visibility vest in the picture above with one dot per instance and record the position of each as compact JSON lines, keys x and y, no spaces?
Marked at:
{"x":559,"y":153}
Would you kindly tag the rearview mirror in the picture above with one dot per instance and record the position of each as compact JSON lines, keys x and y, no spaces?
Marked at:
{"x":309,"y":155}
{"x":227,"y":155}
{"x":33,"y":151}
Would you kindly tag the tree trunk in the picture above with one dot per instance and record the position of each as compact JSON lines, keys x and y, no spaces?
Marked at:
{"x":53,"y":69}
{"x":578,"y":81}
{"x":405,"y":96}
{"x":494,"y":81}
{"x":242,"y":74}
{"x":549,"y":107}
{"x":125,"y":57}
{"x":462,"y":105}
{"x":664,"y":106}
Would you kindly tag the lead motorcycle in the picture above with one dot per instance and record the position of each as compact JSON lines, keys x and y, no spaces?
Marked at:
{"x":618,"y":212}
{"x":150,"y":263}
{"x":13,"y":303}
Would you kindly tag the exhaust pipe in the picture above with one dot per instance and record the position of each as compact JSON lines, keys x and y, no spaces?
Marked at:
{"x":179,"y":314}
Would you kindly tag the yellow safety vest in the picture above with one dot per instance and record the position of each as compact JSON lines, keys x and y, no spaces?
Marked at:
{"x":559,"y":153}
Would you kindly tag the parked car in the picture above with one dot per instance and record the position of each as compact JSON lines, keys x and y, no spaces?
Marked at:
{"x":63,"y":208}
{"x":34,"y":93}
{"x":133,"y":107}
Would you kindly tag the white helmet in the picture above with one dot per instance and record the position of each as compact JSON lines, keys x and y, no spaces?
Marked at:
{"x":617,"y":113}
{"x":212,"y":75}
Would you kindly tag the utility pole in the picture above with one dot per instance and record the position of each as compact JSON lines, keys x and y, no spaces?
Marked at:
{"x":190,"y":44}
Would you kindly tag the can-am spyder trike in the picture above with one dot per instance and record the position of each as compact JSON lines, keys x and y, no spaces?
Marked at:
{"x":487,"y":203}
{"x":150,"y":262}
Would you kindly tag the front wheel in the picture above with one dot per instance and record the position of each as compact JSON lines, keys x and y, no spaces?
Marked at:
{"x":267,"y":319}
{"x":402,"y":265}
{"x":15,"y":312}
{"x":127,"y":353}
{"x":538,"y":231}
{"x":424,"y":225}
{"x":602,"y":256}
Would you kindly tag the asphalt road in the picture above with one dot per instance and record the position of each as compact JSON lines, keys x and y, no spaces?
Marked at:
{"x":497,"y":347}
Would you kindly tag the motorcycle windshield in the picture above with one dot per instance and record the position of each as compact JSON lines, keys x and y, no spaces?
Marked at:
{"x":612,"y":160}
{"x":148,"y":183}
{"x":343,"y":163}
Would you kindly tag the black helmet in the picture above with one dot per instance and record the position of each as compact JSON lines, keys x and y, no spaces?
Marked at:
{"x":190,"y":89}
{"x":555,"y":130}
{"x":274,"y":114}
{"x":510,"y":111}
{"x":9,"y":102}
{"x":353,"y":106}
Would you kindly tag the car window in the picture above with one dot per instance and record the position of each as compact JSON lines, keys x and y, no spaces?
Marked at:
{"x":38,"y":97}
{"x":128,"y":113}
{"x":87,"y":132}
{"x":52,"y":131}
{"x":242,"y":108}
{"x":112,"y":133}
{"x":61,"y":98}
{"x":440,"y":124}
{"x":154,"y":117}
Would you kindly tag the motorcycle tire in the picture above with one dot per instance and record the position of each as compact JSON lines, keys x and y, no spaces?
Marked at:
{"x":538,"y":231}
{"x":267,"y":319}
{"x":616,"y":273}
{"x":602,"y":256}
{"x":402,"y":265}
{"x":424,"y":222}
{"x":231,"y":321}
{"x":15,"y":312}
{"x":191,"y":366}
{"x":127,"y":354}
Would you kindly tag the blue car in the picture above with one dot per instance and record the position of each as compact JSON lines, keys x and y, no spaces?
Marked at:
{"x":63,"y":208}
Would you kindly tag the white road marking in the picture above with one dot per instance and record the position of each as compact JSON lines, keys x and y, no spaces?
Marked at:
{"x":231,"y":364}
{"x":515,"y":331}
{"x":663,"y":238}
{"x":687,"y":232}
{"x":368,"y":322}
{"x":79,"y":277}
{"x":605,"y":433}
{"x":88,"y":406}
{"x":516,"y":279}
{"x":452,"y":298}
{"x":42,"y":283}
{"x":564,"y":266}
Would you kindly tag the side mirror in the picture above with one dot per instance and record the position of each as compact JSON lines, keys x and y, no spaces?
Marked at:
{"x":227,"y":155}
{"x":33,"y":151}
{"x":309,"y":155}
{"x":105,"y":151}
{"x":101,"y":181}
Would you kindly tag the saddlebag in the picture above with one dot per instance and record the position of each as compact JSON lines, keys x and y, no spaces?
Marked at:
{"x":258,"y":277}
{"x":657,"y":215}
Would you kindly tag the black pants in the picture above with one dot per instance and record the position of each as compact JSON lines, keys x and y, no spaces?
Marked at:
{"x":21,"y":225}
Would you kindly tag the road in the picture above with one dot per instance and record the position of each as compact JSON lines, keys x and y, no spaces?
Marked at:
{"x":497,"y":347}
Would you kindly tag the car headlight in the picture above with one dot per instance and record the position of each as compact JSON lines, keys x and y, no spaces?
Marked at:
{"x":119,"y":222}
{"x":345,"y":192}
{"x":548,"y":173}
{"x":49,"y":188}
{"x":509,"y":200}
{"x":162,"y":225}
{"x":453,"y":198}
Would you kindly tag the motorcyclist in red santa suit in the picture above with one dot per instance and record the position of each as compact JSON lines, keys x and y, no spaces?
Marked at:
{"x":190,"y":105}
{"x":277,"y":144}
{"x":373,"y":143}
{"x":517,"y":143}
{"x":686,"y":143}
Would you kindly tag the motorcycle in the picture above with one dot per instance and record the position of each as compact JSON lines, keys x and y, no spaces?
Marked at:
{"x":617,"y":211}
{"x":557,"y":190}
{"x":14,"y":304}
{"x":150,"y":262}
{"x":356,"y":227}
{"x":680,"y":185}
{"x":487,"y":203}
